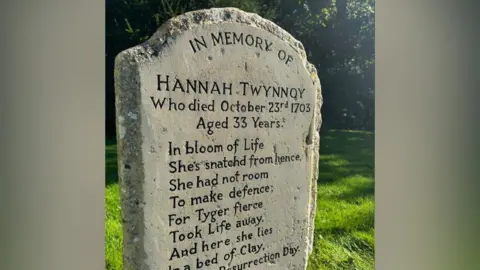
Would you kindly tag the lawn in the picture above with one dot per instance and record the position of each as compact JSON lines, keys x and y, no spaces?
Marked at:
{"x":344,"y":224}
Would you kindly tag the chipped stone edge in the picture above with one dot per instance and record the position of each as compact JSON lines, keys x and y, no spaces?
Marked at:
{"x":129,"y":137}
{"x":315,"y":150}
{"x":130,"y":160}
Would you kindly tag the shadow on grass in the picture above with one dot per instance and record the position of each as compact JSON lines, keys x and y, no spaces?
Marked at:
{"x":111,"y":173}
{"x":345,"y":154}
{"x":345,"y":218}
{"x":358,"y":192}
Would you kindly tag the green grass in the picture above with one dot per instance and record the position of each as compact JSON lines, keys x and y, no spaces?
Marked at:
{"x":113,"y":226}
{"x":344,"y":223}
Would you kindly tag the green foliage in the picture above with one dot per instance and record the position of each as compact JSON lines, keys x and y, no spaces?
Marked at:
{"x":344,"y":222}
{"x":259,"y":7}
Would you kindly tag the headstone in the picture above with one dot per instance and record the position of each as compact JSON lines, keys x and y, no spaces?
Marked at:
{"x":218,"y":116}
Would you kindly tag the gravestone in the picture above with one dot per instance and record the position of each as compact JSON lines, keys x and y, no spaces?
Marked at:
{"x":218,"y":116}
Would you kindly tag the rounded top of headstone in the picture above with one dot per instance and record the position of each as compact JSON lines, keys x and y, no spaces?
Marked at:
{"x":174,"y":27}
{"x":197,"y":18}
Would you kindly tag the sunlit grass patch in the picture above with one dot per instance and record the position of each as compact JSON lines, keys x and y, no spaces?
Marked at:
{"x":113,"y":229}
{"x":345,"y":218}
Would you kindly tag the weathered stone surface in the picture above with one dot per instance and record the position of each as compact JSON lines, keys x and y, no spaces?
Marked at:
{"x":240,"y":87}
